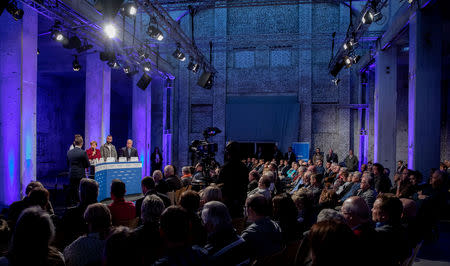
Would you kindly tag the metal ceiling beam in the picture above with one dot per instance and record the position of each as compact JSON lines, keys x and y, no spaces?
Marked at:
{"x":173,"y":29}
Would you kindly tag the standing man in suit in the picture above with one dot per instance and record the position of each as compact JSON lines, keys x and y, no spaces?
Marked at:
{"x":290,"y":156}
{"x":78,"y":161}
{"x":332,"y":157}
{"x":128,"y":151}
{"x":108,"y":149}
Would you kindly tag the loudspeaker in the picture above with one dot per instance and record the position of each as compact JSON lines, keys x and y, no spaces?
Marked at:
{"x":144,"y":81}
{"x":206,"y":80}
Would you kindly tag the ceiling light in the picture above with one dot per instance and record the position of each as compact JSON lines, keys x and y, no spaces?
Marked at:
{"x":367,"y":18}
{"x":349,"y":45}
{"x":336,"y":81}
{"x":129,"y":9}
{"x":147,"y":66}
{"x":194,"y":67}
{"x":57,"y":35}
{"x":110,"y":31}
{"x":179,"y":55}
{"x":155,"y":33}
{"x":76,"y":65}
{"x":12,"y":9}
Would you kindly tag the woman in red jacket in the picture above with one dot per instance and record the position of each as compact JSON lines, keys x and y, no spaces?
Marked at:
{"x":93,"y":153}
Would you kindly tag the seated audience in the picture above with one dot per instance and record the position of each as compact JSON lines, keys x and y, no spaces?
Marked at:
{"x":210,"y":193}
{"x":149,"y":188}
{"x":173,"y":182}
{"x":304,"y":202}
{"x":160,"y":184}
{"x":355,"y":186}
{"x":148,"y":240}
{"x":16,"y":208}
{"x":174,"y":228}
{"x":293,"y":171}
{"x":285,"y":213}
{"x":88,"y":249}
{"x":72,"y":224}
{"x":366,"y":192}
{"x":224,"y":246}
{"x":4,"y":237}
{"x":263,"y":236}
{"x":316,"y":186}
{"x":329,"y":241}
{"x":121,"y":248}
{"x":122,"y":211}
{"x":328,"y":200}
{"x":190,"y":201}
{"x":253,"y":179}
{"x":30,"y":242}
{"x":391,"y":235}
{"x":382,"y":182}
{"x":186,"y":178}
{"x":263,"y":187}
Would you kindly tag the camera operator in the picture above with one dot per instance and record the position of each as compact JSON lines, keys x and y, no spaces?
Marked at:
{"x":234,"y":180}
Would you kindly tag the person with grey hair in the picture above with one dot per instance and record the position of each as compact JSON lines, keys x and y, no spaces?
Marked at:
{"x":330,"y":214}
{"x":173,"y":181}
{"x":151,"y":210}
{"x":224,"y":245}
{"x":31,"y":239}
{"x":356,"y":180}
{"x":210,"y":193}
{"x":186,"y":178}
{"x":88,"y":249}
{"x":366,"y":190}
{"x":72,"y":224}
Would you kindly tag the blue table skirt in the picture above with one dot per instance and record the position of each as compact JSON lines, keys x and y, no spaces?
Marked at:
{"x":129,"y":172}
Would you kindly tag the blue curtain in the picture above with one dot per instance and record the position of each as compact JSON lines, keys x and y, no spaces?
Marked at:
{"x":263,"y":118}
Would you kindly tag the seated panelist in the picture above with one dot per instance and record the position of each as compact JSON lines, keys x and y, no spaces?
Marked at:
{"x":93,"y":153}
{"x":128,"y":151}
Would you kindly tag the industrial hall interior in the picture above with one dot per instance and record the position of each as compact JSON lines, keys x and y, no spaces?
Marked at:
{"x":224,"y":132}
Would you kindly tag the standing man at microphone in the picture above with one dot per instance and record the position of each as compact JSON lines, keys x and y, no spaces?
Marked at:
{"x":108,"y":149}
{"x":78,"y":161}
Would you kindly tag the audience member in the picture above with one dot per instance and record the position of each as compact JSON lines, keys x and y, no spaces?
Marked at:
{"x":355,"y":186}
{"x":88,"y":249}
{"x":253,"y":179}
{"x":391,"y":235}
{"x":290,"y":156}
{"x":263,"y":187}
{"x":224,"y":246}
{"x":366,"y":192}
{"x":190,"y":201}
{"x":332,"y":157}
{"x":210,"y":193}
{"x":186,"y":178}
{"x":160,"y":184}
{"x":351,"y":161}
{"x":72,"y":224}
{"x":173,"y":182}
{"x":263,"y":236}
{"x":121,"y":248}
{"x":4,"y":237}
{"x":234,"y":180}
{"x":149,"y":188}
{"x":122,"y":212}
{"x":30,"y":242}
{"x":174,"y":228}
{"x":148,"y":241}
{"x":382,"y":182}
{"x":285,"y":213}
{"x":328,"y":199}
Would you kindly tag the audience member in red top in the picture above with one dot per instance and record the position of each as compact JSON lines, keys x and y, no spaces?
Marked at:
{"x":121,"y":210}
{"x":93,"y":153}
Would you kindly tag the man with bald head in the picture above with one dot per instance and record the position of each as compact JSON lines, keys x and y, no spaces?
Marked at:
{"x":173,"y":181}
{"x":128,"y":151}
{"x":357,"y":216}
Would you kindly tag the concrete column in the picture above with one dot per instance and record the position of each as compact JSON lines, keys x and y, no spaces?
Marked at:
{"x":98,"y":100}
{"x":18,"y":75}
{"x":425,"y":64}
{"x":142,"y":123}
{"x":305,"y":74}
{"x":385,"y":107}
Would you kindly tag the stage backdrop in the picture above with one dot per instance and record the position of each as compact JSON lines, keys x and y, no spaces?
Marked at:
{"x":263,"y":118}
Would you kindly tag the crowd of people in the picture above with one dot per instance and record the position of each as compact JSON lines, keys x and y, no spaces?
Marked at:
{"x":276,"y":212}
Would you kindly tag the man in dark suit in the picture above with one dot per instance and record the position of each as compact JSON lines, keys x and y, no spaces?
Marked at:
{"x":78,"y":161}
{"x":128,"y":151}
{"x":332,"y":157}
{"x":149,"y":188}
{"x":290,"y":156}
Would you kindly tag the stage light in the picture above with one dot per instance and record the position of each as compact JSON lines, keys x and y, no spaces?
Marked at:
{"x":367,"y":18}
{"x":142,"y":53}
{"x":57,"y":35}
{"x":179,"y":55}
{"x":73,"y":43}
{"x":126,"y":69}
{"x":147,"y":66}
{"x":76,"y":65}
{"x":155,"y":33}
{"x":194,"y":67}
{"x":144,"y":81}
{"x":129,"y":9}
{"x":110,"y":30}
{"x":84,"y":48}
{"x":113,"y":64}
{"x":349,"y":45}
{"x":15,"y":12}
{"x":335,"y":81}
{"x":350,"y":60}
{"x":206,"y":80}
